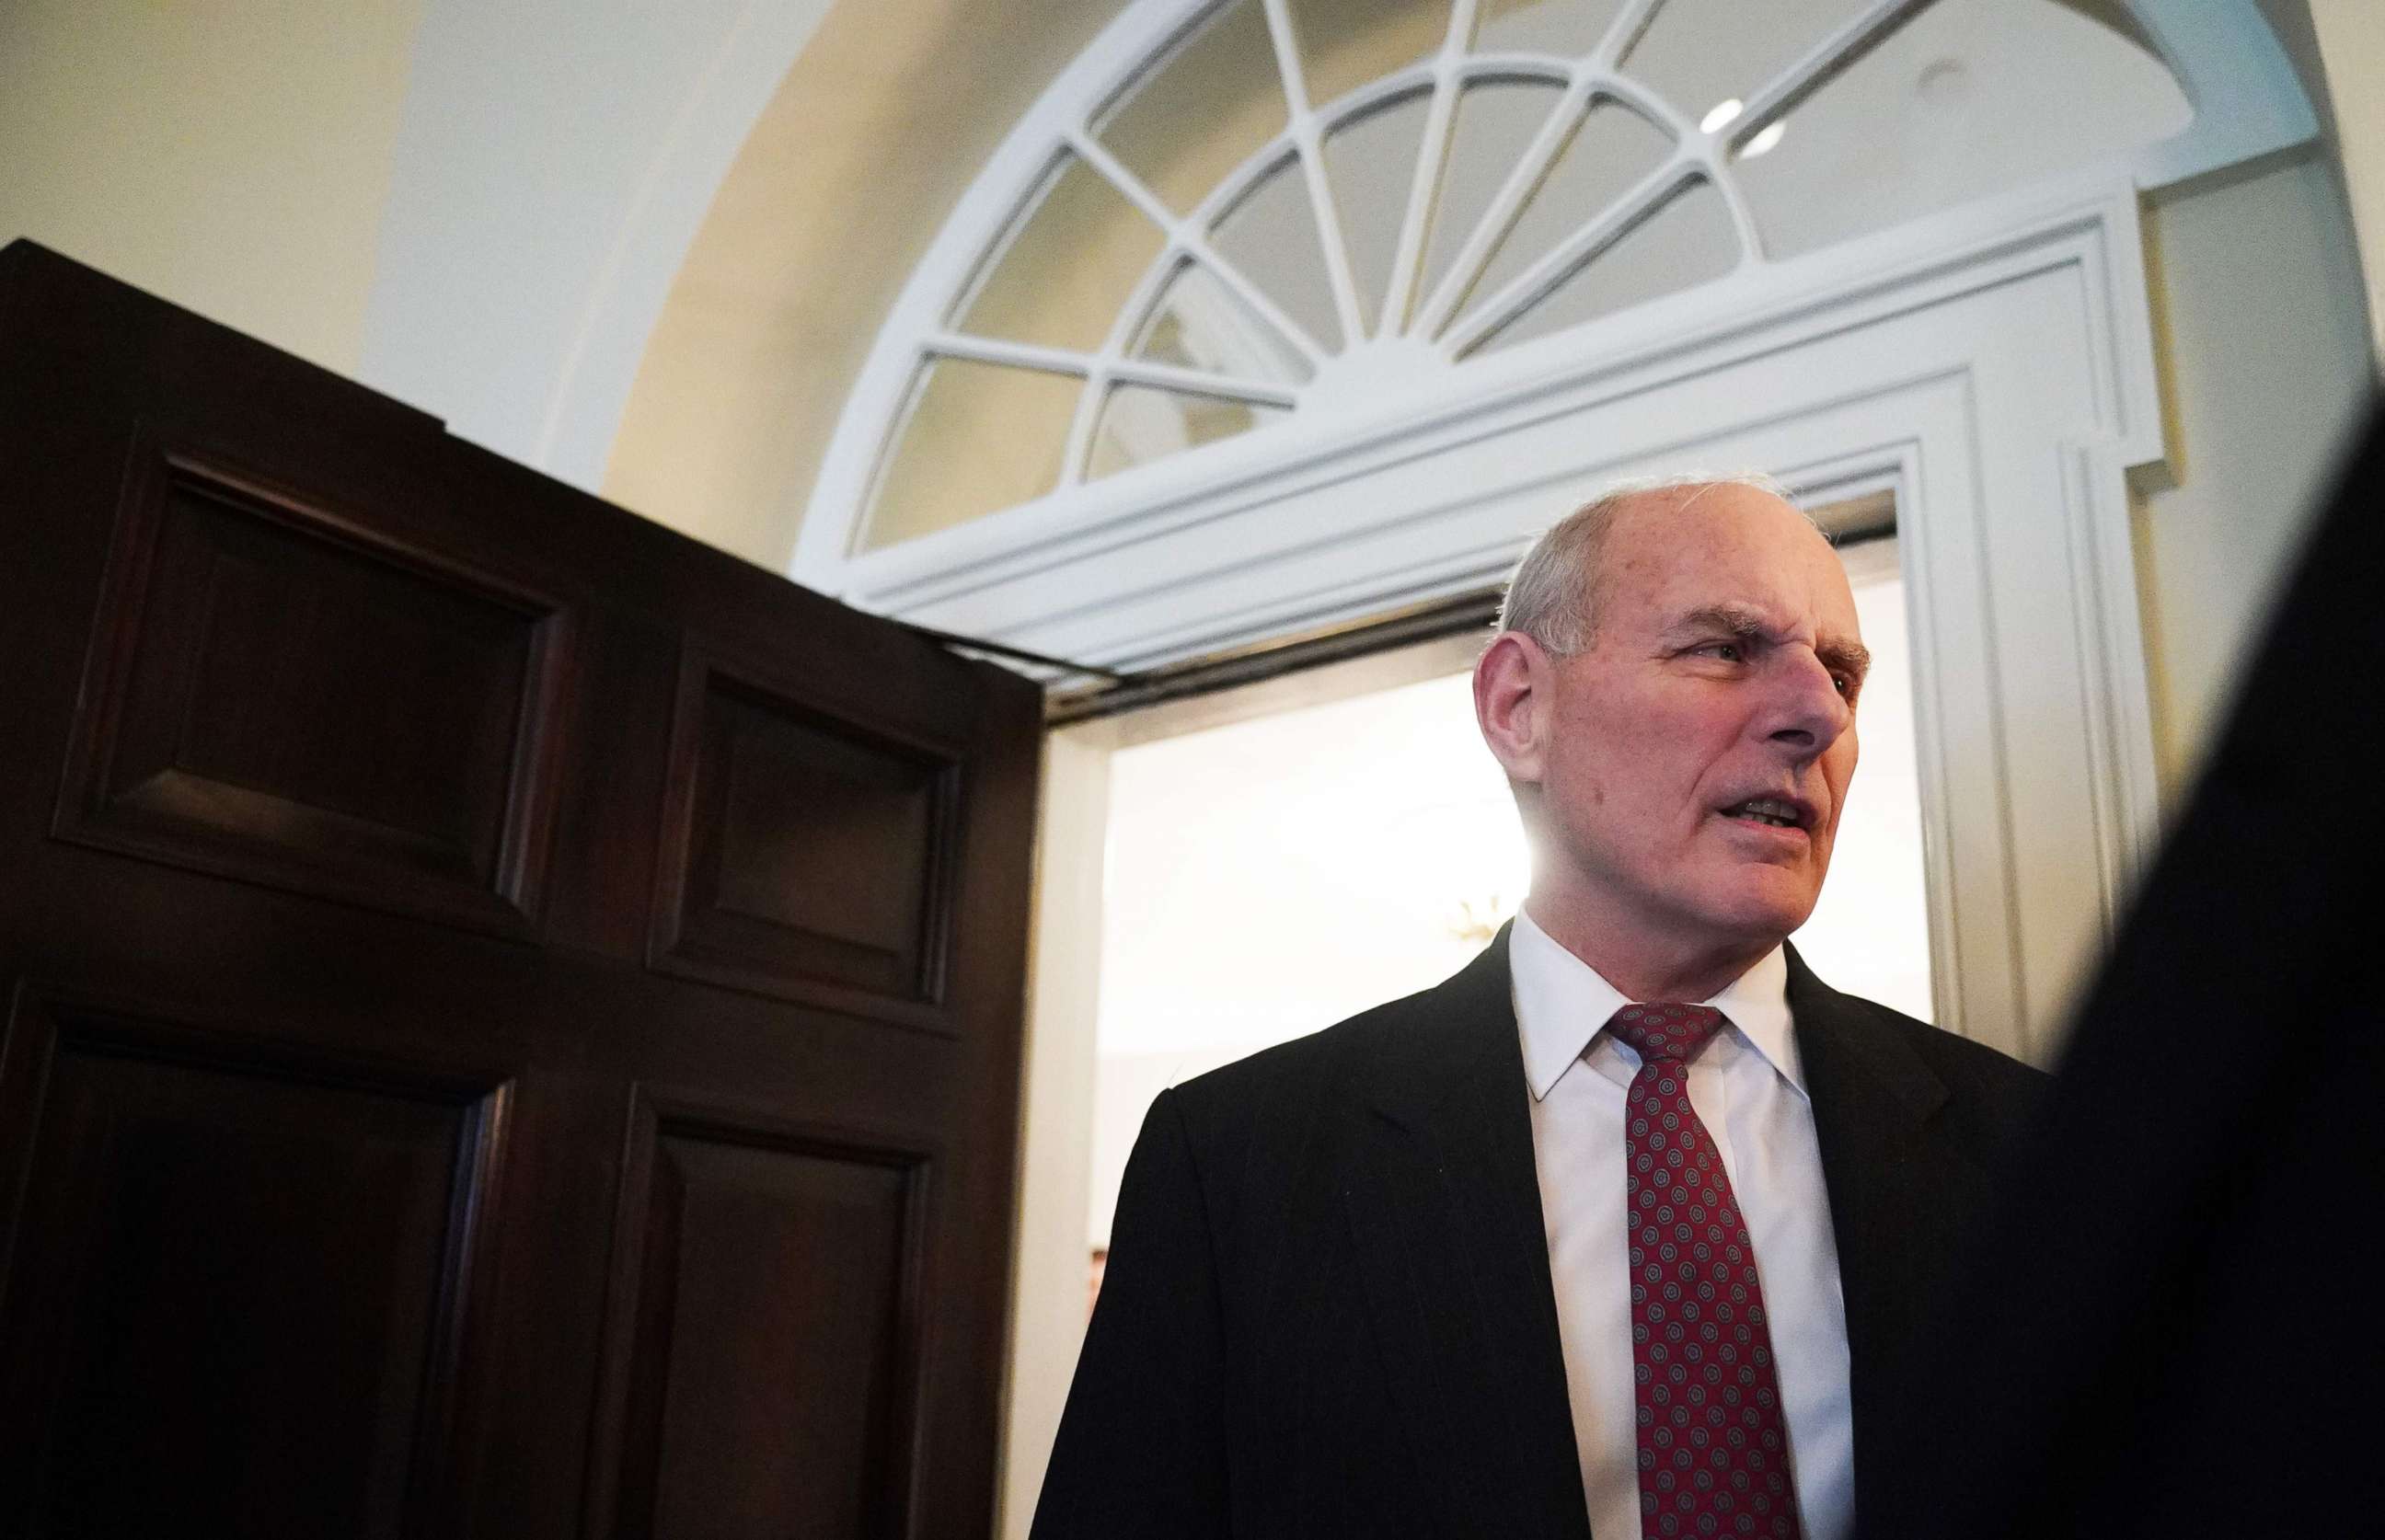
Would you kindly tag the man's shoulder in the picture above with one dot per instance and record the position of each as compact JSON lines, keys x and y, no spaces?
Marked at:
{"x":1296,"y":1089}
{"x":1332,"y":1056}
{"x":1258,"y":1130}
{"x":1969,"y":1069}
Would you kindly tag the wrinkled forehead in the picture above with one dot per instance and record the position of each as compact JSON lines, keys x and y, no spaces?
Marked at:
{"x":1723,"y":545}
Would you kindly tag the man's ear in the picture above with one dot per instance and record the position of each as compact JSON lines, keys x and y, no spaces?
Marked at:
{"x":1512,"y":682}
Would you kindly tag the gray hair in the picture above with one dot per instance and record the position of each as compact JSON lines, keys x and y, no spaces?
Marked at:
{"x":1549,"y":595}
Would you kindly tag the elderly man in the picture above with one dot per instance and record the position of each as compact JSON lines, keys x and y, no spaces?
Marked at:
{"x":1624,"y":1229}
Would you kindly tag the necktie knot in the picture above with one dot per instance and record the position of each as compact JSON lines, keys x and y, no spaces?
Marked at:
{"x":1666,"y":1031}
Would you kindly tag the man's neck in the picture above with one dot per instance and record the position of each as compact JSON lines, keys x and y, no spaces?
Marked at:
{"x":1645,"y":967}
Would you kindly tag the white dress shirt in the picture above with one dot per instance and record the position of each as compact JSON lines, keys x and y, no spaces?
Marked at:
{"x":1749,"y":1092}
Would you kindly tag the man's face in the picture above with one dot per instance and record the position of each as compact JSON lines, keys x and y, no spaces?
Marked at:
{"x":1694,"y":757}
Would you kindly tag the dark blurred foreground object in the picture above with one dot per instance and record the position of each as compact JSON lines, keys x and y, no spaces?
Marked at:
{"x":2171,"y":1328}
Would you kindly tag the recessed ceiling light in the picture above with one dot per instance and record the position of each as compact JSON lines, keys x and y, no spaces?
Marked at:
{"x":1722,"y":112}
{"x":1765,"y":139}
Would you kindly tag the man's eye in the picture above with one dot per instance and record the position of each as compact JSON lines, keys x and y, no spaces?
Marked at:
{"x":1728,"y":651}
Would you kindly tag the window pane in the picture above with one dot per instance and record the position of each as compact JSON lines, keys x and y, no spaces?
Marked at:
{"x":1270,"y":237}
{"x":1142,"y":422}
{"x":979,"y":437}
{"x":1608,"y":150}
{"x":1699,"y":53}
{"x":1967,"y":100}
{"x":1345,"y":43}
{"x":1495,"y":119}
{"x":1688,"y":242}
{"x":1371,"y":161}
{"x":1072,"y":259}
{"x":1566,"y":28}
{"x":1205,"y":110}
{"x":1200,"y":324}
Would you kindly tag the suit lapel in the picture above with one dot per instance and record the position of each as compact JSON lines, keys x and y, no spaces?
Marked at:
{"x":1875,"y":1101}
{"x":1444,"y":1209}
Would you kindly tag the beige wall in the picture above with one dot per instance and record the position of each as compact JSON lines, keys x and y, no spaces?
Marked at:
{"x":885,"y":119}
{"x":2264,"y":347}
{"x":231,"y":155}
{"x":2350,"y":37}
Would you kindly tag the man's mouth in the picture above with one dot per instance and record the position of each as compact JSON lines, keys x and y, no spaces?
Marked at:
{"x":1773,"y":812}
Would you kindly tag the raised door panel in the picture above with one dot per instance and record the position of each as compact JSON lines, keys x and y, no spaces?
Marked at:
{"x":237,"y":1296}
{"x":278,"y":694}
{"x":762,"y":1360}
{"x":806,"y":855}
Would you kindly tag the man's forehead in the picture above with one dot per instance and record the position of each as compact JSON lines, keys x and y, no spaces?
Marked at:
{"x":1715,"y":520}
{"x":1752,"y":551}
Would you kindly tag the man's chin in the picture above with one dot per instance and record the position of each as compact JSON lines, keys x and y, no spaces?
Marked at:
{"x":1760,"y":913}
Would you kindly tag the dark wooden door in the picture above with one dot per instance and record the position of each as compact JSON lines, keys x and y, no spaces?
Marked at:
{"x":512,"y":1017}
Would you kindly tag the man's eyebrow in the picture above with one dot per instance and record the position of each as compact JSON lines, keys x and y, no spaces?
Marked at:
{"x":1851,"y":657}
{"x":1740,"y":620}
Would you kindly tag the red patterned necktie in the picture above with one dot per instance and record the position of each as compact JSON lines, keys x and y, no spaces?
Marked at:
{"x":1713,"y":1448}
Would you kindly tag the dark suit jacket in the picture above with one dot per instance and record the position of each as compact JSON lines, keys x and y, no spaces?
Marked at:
{"x":1327,"y":1310}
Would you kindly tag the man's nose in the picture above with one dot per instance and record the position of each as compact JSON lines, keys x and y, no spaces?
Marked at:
{"x":1808,"y":712}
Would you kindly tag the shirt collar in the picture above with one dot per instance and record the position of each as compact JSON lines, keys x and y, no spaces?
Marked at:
{"x":1562,"y":1004}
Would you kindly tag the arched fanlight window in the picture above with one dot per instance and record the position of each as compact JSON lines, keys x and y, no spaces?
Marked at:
{"x":1289,"y":207}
